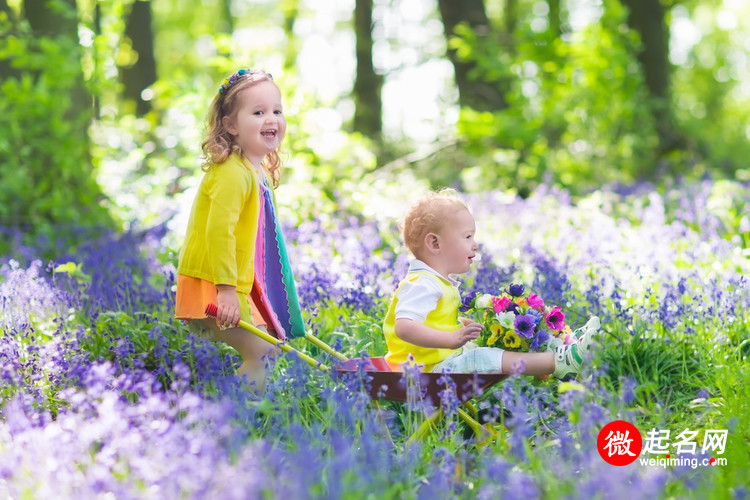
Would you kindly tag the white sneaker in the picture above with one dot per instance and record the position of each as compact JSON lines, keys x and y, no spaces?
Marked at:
{"x":592,"y":324}
{"x":569,"y":358}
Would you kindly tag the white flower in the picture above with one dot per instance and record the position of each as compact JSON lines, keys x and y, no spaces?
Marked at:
{"x":483,"y":301}
{"x":506,"y":319}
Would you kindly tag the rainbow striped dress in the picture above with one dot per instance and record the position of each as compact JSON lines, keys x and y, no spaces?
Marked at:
{"x":273,"y":290}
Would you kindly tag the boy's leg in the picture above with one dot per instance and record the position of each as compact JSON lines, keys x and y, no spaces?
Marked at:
{"x":528,"y":363}
{"x":251,"y":349}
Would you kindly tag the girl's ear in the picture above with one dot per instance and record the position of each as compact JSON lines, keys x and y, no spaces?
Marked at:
{"x":229,"y":125}
{"x":432,"y":243}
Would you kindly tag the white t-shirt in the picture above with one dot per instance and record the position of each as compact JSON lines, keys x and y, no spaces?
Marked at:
{"x":418,"y":298}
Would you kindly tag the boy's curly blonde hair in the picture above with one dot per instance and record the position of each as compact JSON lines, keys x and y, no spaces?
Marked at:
{"x":429,"y":214}
{"x":219,"y":143}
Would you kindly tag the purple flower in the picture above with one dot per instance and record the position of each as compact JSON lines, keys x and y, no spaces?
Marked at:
{"x":524,"y":325}
{"x":537,"y":315}
{"x":468,"y":301}
{"x":516,"y":290}
{"x":541,"y":338}
{"x":513,"y":307}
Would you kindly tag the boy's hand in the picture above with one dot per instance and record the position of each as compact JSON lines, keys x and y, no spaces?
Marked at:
{"x":469,"y":332}
{"x":228,"y":310}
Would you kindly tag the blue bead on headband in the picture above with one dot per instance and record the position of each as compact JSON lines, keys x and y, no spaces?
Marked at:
{"x":229,"y":82}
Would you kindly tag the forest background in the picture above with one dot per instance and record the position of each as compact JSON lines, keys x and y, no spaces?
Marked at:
{"x":601,"y":145}
{"x":102,"y":103}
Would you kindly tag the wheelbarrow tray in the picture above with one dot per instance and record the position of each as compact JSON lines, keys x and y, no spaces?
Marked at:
{"x":392,"y":385}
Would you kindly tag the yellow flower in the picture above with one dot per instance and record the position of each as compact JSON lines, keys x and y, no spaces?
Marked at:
{"x":521,"y":301}
{"x":511,"y":340}
{"x":496,"y":331}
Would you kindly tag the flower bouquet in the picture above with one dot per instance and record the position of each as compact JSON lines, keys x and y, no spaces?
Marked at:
{"x":516,"y":320}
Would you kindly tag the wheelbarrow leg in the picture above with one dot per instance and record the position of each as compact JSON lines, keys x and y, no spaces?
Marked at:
{"x":471,"y":421}
{"x":431,"y":421}
{"x":427,"y":425}
{"x":473,"y":409}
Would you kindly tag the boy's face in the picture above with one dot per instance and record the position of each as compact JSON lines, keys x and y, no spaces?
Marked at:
{"x":457,"y":245}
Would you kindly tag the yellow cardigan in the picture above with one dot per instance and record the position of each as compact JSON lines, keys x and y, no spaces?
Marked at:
{"x":220,"y":240}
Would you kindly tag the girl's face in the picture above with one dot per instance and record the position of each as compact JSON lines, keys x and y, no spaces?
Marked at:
{"x":259,"y":124}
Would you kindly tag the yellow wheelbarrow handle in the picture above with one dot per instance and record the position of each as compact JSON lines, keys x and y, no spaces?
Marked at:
{"x":212,"y":310}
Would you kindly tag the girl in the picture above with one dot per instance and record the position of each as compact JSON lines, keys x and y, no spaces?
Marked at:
{"x":234,"y":253}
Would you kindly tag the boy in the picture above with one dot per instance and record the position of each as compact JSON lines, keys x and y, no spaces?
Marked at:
{"x":423,"y":321}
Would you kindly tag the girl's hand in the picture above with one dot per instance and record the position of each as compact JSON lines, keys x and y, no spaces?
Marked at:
{"x":228,"y":313}
{"x":463,"y":335}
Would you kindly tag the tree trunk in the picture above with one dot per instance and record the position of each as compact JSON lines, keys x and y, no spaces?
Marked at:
{"x":6,"y":70}
{"x":290,"y":9}
{"x":473,"y":92}
{"x":142,"y":73}
{"x":49,"y":22}
{"x":510,"y":22}
{"x":555,"y":19}
{"x":647,"y":17}
{"x":228,"y":17}
{"x":367,"y":83}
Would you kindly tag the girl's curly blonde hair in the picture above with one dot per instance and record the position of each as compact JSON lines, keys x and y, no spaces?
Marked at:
{"x":219,"y":143}
{"x":429,"y":214}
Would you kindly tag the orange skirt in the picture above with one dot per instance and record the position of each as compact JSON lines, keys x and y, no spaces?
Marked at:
{"x":194,"y":294}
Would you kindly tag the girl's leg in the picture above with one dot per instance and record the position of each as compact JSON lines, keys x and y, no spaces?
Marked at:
{"x":530,"y":363}
{"x":251,"y":349}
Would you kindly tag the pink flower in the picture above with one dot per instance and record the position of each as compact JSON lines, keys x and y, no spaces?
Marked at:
{"x":555,"y":318}
{"x":569,"y":339}
{"x":499,"y":304}
{"x":535,"y":302}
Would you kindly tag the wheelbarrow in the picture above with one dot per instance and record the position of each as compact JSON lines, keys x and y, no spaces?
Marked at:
{"x":390,"y":385}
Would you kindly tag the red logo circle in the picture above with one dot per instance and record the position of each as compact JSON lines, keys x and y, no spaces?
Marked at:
{"x":619,"y":443}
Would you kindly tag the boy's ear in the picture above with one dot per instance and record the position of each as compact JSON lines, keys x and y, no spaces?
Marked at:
{"x":229,"y":125}
{"x":432,"y":243}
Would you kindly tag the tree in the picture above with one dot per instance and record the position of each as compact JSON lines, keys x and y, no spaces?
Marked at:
{"x":647,"y":17}
{"x":475,"y":89}
{"x":290,"y":10}
{"x":48,"y":184}
{"x":49,"y":20}
{"x":367,"y":83}
{"x":8,"y":24}
{"x":227,"y":16}
{"x":141,"y":73}
{"x":555,"y":17}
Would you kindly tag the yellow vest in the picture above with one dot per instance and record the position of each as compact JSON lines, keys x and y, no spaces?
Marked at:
{"x":444,"y":318}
